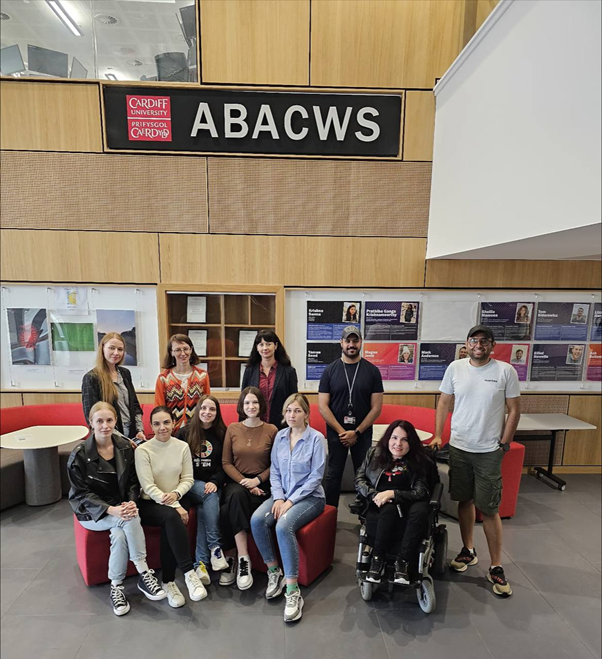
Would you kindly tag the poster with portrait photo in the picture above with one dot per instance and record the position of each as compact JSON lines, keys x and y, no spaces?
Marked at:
{"x":509,"y":321}
{"x":324,"y":319}
{"x":515,"y":354}
{"x":317,"y":358}
{"x":122,"y":321}
{"x":351,"y":312}
{"x":594,"y":363}
{"x":596,"y":330}
{"x":28,"y":334}
{"x":461,"y":351}
{"x":435,"y":358}
{"x":561,"y":321}
{"x":391,"y":321}
{"x":395,"y":361}
{"x":557,"y":362}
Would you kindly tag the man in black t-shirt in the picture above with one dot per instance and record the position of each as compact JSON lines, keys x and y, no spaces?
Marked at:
{"x":350,"y":399}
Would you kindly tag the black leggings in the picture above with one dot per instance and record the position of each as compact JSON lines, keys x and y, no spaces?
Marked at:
{"x":175,"y":546}
{"x":386,"y":527}
{"x":236,"y":511}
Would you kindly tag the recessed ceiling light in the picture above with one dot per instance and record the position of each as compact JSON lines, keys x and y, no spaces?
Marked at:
{"x":125,"y":50}
{"x":106,"y":19}
{"x":110,"y":76}
{"x":5,"y":17}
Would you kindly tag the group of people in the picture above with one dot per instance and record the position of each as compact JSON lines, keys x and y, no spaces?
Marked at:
{"x":267,"y":470}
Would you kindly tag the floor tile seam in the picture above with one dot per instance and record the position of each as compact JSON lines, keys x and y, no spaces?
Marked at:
{"x":78,"y":653}
{"x":49,"y":615}
{"x":382,"y":633}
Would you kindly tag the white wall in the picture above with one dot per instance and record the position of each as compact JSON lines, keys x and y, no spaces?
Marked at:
{"x":517,"y":131}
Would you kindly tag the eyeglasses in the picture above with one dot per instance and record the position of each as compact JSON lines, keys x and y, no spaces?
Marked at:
{"x":180,"y":351}
{"x":483,"y":342}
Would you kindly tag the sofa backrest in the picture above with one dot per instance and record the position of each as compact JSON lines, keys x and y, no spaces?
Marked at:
{"x":58,"y":414}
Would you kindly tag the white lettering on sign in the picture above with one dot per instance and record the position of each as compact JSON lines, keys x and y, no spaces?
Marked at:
{"x":365,"y":123}
{"x":265,"y":112}
{"x":288,"y":117}
{"x":332,"y":119}
{"x":203,"y":121}
{"x":229,"y":120}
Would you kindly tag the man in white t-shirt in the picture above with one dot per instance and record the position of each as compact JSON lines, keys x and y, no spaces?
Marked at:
{"x":481,"y":388}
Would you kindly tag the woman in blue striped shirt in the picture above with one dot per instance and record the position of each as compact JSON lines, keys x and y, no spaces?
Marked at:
{"x":298,"y":462}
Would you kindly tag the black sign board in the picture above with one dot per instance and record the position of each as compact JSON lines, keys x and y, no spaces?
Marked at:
{"x":232,"y":121}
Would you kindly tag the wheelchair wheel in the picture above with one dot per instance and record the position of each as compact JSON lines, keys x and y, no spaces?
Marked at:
{"x":440,"y":550}
{"x":366,"y":589}
{"x":426,"y":595}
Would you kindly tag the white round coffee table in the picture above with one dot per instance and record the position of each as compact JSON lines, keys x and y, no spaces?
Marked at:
{"x":41,"y":458}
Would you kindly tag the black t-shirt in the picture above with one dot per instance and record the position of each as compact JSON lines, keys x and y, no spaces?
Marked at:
{"x":207,"y":467}
{"x":395,"y":478}
{"x":110,"y":478}
{"x":367,"y":382}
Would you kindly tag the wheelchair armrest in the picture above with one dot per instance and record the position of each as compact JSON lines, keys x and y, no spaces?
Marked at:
{"x":435,"y":501}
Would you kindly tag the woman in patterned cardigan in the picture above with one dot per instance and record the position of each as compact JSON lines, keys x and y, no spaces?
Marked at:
{"x":181,"y":384}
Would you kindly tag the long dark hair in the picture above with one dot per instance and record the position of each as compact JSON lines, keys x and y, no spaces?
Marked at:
{"x":196,"y":432}
{"x":417,"y":457}
{"x":269,"y":336}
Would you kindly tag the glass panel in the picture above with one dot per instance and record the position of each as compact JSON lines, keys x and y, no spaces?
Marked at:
{"x":263,"y":310}
{"x":214,"y":369}
{"x":237,"y":309}
{"x":177,"y":305}
{"x":233,"y":373}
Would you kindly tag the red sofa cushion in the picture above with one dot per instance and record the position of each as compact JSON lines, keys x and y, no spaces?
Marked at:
{"x":422,"y":418}
{"x":58,"y":414}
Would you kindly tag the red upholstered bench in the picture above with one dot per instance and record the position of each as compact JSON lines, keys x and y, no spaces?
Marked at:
{"x":92,"y":549}
{"x":316,"y":547}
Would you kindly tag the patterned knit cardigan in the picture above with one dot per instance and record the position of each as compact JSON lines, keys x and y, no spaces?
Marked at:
{"x":181,"y":400}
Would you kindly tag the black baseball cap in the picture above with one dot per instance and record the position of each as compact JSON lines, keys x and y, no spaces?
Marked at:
{"x":481,"y":329}
{"x":351,"y":329}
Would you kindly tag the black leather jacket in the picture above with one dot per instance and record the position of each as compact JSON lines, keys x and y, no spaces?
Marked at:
{"x":369,"y":474}
{"x":90,"y":492}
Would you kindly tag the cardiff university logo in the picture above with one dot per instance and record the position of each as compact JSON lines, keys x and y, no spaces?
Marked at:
{"x":149,"y":118}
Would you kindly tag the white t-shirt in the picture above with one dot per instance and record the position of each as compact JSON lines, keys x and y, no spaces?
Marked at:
{"x":480,"y":402}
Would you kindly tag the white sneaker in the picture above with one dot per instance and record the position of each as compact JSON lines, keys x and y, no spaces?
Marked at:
{"x":244,"y":578}
{"x":293,"y":609}
{"x":175,"y":598}
{"x":218,"y":562}
{"x":203,"y":575}
{"x":228,"y":576}
{"x":275,"y":584}
{"x":196,"y":590}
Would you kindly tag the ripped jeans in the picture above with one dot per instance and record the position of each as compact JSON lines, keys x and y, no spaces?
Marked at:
{"x":298,"y":516}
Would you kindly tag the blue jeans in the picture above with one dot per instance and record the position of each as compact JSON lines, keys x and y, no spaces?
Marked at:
{"x":286,"y":527}
{"x":207,"y":515}
{"x":127,"y":541}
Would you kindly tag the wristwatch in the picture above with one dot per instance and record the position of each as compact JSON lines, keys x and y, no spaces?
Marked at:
{"x":504,"y":447}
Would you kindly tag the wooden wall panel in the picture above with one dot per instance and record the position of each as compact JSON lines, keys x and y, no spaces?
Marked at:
{"x":11,"y":400}
{"x":458,"y":273}
{"x":419,"y":128}
{"x":291,"y":261}
{"x":484,"y":8}
{"x":113,"y":193}
{"x":383,"y":43}
{"x":583,"y":447}
{"x":79,"y":256}
{"x":51,"y":399}
{"x":46,"y":116}
{"x":255,"y":42}
{"x":326,"y":197}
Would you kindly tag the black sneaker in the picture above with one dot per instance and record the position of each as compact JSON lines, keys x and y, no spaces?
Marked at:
{"x":401,"y":574}
{"x":120,"y":605}
{"x":377,"y":567}
{"x":465,"y":558}
{"x":497,"y":577}
{"x":150,"y":587}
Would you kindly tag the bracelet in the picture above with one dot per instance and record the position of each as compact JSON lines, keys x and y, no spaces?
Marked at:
{"x":259,"y":479}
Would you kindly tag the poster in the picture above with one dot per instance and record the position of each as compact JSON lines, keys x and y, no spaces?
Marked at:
{"x":395,"y":361}
{"x":196,"y":309}
{"x":553,"y":362}
{"x":326,"y":320}
{"x":318,"y":356}
{"x":594,"y":363}
{"x":73,"y":299}
{"x":28,"y":333}
{"x":436,"y":357}
{"x":561,"y":321}
{"x":199,"y":341}
{"x":246,"y":339}
{"x":516,"y":354}
{"x":596,"y":331}
{"x":509,"y":321}
{"x":122,"y":321}
{"x":72,"y":337}
{"x":388,"y":321}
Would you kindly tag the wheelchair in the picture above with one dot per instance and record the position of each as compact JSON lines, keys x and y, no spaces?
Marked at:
{"x":432,"y":555}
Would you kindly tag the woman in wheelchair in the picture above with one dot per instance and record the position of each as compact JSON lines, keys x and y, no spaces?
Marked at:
{"x":394,"y":483}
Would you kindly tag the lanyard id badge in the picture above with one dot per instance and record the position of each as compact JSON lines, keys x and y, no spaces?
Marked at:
{"x":350,"y":419}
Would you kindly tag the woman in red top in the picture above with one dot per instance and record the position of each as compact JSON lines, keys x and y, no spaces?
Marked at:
{"x":181,"y":384}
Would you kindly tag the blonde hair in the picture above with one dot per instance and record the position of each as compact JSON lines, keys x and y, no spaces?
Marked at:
{"x":101,"y":405}
{"x":108,"y":390}
{"x":301,"y":400}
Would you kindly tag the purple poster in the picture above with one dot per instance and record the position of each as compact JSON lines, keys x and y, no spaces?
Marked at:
{"x":318,"y":356}
{"x":326,"y":320}
{"x":509,"y":321}
{"x":596,"y":333}
{"x":561,"y":321}
{"x":552,"y":362}
{"x":436,"y":357}
{"x":395,"y":361}
{"x":392,"y":321}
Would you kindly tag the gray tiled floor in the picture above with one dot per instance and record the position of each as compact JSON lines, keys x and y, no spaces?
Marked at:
{"x":551,"y":555}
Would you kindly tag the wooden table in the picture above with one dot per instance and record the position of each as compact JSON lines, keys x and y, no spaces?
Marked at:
{"x":378,"y":430}
{"x":41,"y":458}
{"x":553,"y":424}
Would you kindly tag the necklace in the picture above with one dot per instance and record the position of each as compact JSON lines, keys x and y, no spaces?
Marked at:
{"x":249,"y":432}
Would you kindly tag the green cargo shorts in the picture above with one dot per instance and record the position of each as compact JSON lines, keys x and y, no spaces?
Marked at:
{"x":476,"y":477}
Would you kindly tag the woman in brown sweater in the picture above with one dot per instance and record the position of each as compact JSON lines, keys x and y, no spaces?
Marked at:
{"x":246,"y":461}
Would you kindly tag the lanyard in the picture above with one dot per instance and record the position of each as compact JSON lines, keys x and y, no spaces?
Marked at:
{"x":350,"y":386}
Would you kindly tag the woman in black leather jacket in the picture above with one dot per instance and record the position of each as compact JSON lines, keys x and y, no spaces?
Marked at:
{"x":394,"y":482}
{"x":103,"y":495}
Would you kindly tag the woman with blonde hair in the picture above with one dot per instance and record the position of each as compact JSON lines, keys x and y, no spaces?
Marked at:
{"x":110,"y":382}
{"x":297,"y":469}
{"x":182,"y":383}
